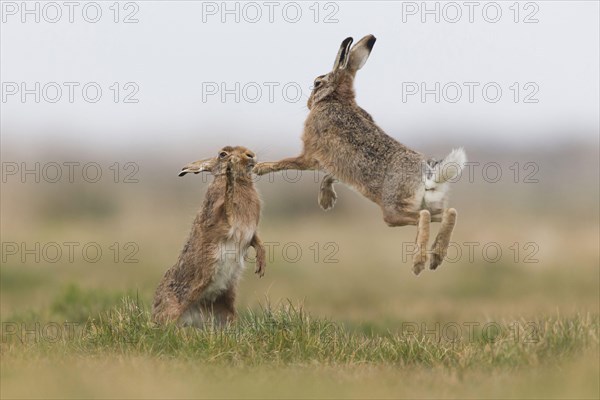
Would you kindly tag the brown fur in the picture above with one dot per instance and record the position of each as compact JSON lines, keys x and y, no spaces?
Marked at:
{"x":231,"y":204}
{"x":342,"y":139}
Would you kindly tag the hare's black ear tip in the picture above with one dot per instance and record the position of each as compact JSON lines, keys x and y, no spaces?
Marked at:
{"x":371,"y":41}
{"x":182,"y":173}
{"x":347,"y":41}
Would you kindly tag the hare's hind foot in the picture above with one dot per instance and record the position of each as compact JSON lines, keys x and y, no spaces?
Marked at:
{"x":327,"y":194}
{"x":420,"y":257}
{"x":223,"y":308}
{"x":439,"y":248}
{"x":165,"y":308}
{"x":216,"y":314}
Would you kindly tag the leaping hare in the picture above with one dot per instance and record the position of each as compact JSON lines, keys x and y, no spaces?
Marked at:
{"x":342,"y":139}
{"x":204,"y":279}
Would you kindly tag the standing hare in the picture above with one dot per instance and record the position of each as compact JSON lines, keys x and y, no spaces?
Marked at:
{"x":343,"y":140}
{"x":204,"y":279}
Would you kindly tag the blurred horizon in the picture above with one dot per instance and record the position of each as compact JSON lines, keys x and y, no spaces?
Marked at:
{"x":182,"y":77}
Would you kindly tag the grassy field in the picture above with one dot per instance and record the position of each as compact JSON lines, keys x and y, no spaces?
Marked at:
{"x":339,"y":313}
{"x":282,"y":351}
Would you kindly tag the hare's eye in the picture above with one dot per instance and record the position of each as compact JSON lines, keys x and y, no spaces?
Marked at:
{"x":249,"y":155}
{"x":316,"y":84}
{"x":223,"y":154}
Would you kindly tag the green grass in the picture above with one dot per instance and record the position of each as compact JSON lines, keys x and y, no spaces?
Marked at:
{"x":281,"y":351}
{"x":287,"y":334}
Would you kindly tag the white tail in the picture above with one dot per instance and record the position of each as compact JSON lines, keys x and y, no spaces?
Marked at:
{"x":451,"y":166}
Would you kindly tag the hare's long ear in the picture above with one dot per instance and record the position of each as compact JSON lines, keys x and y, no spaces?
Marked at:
{"x":342,"y":56}
{"x":199,"y":166}
{"x":360,"y":53}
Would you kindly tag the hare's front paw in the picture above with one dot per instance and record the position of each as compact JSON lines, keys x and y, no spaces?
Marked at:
{"x":327,"y":198}
{"x":261,"y":262}
{"x":262,"y":168}
{"x":260,"y":269}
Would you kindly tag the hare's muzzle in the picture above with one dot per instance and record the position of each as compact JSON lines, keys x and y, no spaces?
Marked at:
{"x":198,"y":166}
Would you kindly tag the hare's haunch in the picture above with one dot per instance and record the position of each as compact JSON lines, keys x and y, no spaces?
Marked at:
{"x":342,"y":139}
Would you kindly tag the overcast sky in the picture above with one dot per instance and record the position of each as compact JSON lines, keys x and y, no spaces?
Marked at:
{"x":178,"y":56}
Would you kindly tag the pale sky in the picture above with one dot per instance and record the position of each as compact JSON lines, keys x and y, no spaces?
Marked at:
{"x":179,"y":53}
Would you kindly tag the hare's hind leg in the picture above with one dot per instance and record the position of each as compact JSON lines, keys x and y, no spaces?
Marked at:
{"x":195,"y":315}
{"x":327,"y":195}
{"x":223,"y":307}
{"x":165,"y":308}
{"x":166,"y":315}
{"x":442,"y":240}
{"x":400,"y":218}
{"x":422,"y":219}
{"x":421,"y":255}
